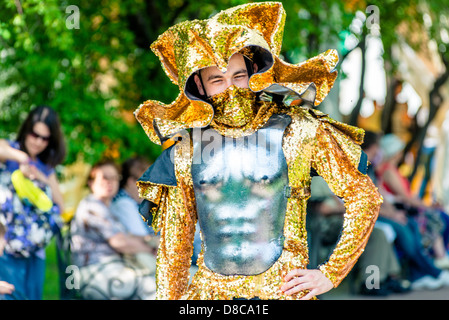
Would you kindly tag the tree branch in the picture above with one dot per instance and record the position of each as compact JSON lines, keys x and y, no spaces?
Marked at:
{"x":353,"y":118}
{"x":435,"y":101}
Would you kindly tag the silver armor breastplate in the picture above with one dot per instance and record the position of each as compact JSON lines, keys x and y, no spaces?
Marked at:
{"x":239,"y":189}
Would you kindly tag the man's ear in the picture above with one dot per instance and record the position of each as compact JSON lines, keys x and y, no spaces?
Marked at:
{"x":197,"y":80}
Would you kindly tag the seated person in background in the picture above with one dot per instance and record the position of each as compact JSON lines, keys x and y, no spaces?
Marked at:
{"x":432,"y":221}
{"x":101,"y":247}
{"x":125,"y":207}
{"x":379,"y":250}
{"x":422,"y":272}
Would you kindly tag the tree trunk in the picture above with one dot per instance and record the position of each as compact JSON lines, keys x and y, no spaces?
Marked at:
{"x":435,"y":101}
{"x":354,"y":116}
{"x":389,"y":106}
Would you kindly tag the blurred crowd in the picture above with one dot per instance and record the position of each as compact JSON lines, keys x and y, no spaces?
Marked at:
{"x":114,"y":250}
{"x":409,"y":244}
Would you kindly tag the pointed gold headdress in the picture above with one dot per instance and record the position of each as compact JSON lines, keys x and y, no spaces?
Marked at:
{"x":190,"y":46}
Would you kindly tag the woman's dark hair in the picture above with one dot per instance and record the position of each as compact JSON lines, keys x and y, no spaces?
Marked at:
{"x":133,"y":167}
{"x":2,"y":229}
{"x":55,"y":152}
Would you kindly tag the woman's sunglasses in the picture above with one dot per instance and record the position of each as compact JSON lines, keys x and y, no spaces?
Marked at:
{"x":35,"y":135}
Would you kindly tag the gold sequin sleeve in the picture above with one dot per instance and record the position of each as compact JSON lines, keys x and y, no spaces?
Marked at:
{"x":336,"y":159}
{"x":174,"y":218}
{"x":176,"y":246}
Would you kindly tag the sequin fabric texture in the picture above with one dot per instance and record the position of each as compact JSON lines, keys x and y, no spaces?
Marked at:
{"x":312,"y":140}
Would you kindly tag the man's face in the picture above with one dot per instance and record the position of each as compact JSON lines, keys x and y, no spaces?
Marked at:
{"x":215,"y":81}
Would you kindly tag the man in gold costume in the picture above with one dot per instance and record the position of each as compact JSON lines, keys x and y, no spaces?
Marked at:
{"x":242,"y":142}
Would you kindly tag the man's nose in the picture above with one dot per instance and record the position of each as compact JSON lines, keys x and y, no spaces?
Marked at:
{"x":229,"y":82}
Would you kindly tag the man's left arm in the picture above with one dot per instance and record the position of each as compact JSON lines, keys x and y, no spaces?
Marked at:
{"x":337,"y":159}
{"x":339,"y":166}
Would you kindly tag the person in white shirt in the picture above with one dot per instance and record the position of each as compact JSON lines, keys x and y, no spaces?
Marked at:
{"x":125,"y":205}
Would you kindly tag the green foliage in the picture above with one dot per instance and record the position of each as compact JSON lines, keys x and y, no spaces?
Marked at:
{"x":98,"y":74}
{"x":313,"y":27}
{"x":88,"y":75}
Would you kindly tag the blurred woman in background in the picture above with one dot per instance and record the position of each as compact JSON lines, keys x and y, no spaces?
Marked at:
{"x":31,"y":200}
{"x":102,"y":248}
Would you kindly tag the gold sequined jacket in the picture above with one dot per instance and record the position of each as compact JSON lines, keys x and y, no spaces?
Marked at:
{"x":312,"y":140}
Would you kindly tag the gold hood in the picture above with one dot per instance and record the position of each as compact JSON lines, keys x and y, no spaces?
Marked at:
{"x":254,"y":30}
